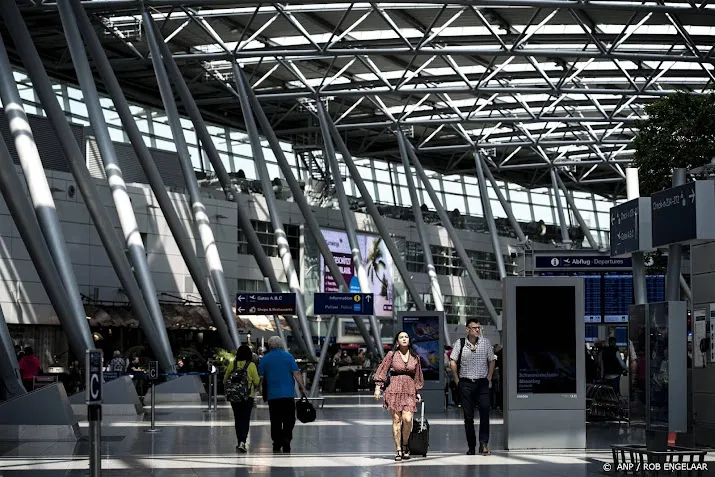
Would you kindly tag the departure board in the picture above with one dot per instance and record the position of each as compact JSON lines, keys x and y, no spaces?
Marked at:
{"x":617,"y":297}
{"x":593,"y":301}
{"x":656,"y":287}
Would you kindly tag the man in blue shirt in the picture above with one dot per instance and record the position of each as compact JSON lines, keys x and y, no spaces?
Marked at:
{"x":278,"y":370}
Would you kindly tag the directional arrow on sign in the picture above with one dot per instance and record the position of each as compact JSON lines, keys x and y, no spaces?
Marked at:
{"x":240,"y":309}
{"x":241,"y":298}
{"x":368,"y":298}
{"x":692,"y":196}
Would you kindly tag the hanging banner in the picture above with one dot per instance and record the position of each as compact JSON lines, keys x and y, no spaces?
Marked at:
{"x":378,"y":265}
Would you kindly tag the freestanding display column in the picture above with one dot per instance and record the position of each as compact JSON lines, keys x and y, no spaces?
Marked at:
{"x":447,"y":224}
{"x":227,"y":330}
{"x":374,"y":213}
{"x":299,"y":198}
{"x":563,"y":226}
{"x":640,"y":289}
{"x":42,"y":200}
{"x":675,"y":253}
{"x":505,"y":205}
{"x":78,"y":334}
{"x":348,"y":219}
{"x":420,"y":225}
{"x":153,"y":321}
{"x":577,"y":214}
{"x":281,"y":238}
{"x":9,"y":369}
{"x":181,"y":237}
{"x":488,"y":215}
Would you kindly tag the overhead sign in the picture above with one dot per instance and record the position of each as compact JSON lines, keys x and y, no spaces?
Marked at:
{"x":581,"y":262}
{"x":94,"y":376}
{"x":683,"y":214}
{"x":343,"y":304}
{"x":266,"y":304}
{"x":630,"y":227}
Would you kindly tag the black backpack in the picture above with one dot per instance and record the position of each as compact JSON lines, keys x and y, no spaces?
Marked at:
{"x":237,"y":387}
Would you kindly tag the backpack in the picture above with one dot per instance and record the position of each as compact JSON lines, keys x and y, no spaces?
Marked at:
{"x":237,"y":387}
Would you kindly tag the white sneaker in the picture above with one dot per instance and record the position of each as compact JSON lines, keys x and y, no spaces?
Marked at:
{"x":242,"y":447}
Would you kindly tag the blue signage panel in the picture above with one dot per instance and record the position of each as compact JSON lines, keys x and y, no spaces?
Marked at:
{"x":343,"y":304}
{"x":265,"y":303}
{"x":580,"y":262}
{"x":674,"y":215}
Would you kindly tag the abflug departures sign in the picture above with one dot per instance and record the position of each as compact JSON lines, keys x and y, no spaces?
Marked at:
{"x":546,"y":340}
{"x":583,"y":262}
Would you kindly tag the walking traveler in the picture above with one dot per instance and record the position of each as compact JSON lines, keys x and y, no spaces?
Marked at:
{"x":240,"y":383}
{"x":472,"y":363}
{"x":279,"y":371}
{"x":400,"y":377}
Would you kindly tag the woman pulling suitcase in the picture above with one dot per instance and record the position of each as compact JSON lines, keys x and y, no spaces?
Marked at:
{"x":400,"y":376}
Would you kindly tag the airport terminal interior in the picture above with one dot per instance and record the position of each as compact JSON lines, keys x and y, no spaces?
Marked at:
{"x":223,"y":221}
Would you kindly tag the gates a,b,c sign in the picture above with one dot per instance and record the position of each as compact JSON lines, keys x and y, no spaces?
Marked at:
{"x":94,"y":370}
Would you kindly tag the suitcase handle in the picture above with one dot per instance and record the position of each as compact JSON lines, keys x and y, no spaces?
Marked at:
{"x":422,"y":421}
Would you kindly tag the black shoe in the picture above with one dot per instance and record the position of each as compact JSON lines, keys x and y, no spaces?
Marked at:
{"x":286,"y":449}
{"x":484,"y":450}
{"x":472,"y":451}
{"x":276,"y":448}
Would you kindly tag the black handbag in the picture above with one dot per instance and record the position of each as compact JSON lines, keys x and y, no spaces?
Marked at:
{"x":305,"y":411}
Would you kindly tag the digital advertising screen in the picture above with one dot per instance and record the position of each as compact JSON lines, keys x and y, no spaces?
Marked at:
{"x":546,"y":340}
{"x":378,"y":265}
{"x":424,"y":332}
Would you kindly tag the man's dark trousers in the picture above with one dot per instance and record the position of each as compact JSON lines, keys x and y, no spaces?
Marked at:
{"x":282,"y":412}
{"x":475,"y":394}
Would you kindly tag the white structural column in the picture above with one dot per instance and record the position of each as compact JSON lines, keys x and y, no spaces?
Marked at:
{"x":420,"y":226}
{"x":640,"y":290}
{"x":505,"y":205}
{"x":488,"y":215}
{"x":581,"y":223}
{"x":563,"y":225}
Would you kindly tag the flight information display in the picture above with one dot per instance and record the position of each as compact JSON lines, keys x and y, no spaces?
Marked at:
{"x":607,"y":296}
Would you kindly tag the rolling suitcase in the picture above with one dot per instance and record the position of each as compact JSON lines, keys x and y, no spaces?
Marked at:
{"x":418,"y":443}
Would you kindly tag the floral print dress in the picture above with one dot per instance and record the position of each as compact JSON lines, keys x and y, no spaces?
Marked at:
{"x":405,"y":381}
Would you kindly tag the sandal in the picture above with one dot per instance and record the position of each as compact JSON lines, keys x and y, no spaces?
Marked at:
{"x":398,"y":456}
{"x":405,"y":453}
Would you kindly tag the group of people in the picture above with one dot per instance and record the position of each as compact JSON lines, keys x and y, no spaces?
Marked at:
{"x":398,"y":380}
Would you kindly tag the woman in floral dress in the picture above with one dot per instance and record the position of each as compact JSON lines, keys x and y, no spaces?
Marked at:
{"x":402,"y":394}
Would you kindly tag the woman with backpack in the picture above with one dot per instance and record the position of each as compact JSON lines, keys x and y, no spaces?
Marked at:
{"x":240,"y":382}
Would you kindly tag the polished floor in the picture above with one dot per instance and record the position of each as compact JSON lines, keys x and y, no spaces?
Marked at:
{"x":351,"y":438}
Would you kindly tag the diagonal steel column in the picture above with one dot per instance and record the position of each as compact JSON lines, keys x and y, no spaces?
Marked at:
{"x":560,"y":209}
{"x":447,"y":224}
{"x":41,"y":83}
{"x":151,"y":318}
{"x":229,"y":188}
{"x":78,"y":334}
{"x":315,"y":388}
{"x":420,"y":226}
{"x":488,"y":215}
{"x":210,"y":149}
{"x":505,"y":205}
{"x":147,"y":162}
{"x":41,"y":196}
{"x":303,"y":205}
{"x":577,"y":214}
{"x":281,"y":239}
{"x":10,"y":377}
{"x":201,"y":218}
{"x":348,"y":219}
{"x":374,"y":213}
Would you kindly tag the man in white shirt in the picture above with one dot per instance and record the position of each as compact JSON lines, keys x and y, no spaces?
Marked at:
{"x":472,"y":362}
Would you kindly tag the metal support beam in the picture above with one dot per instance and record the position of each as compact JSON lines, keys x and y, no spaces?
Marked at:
{"x":488,"y":215}
{"x":78,"y":334}
{"x":640,"y":287}
{"x":210,"y":149}
{"x":456,"y":242}
{"x":281,"y":238}
{"x":150,"y":316}
{"x":563,"y":226}
{"x":582,"y":223}
{"x":315,"y":388}
{"x":421,"y":231}
{"x":152,"y":173}
{"x":505,"y":205}
{"x":306,"y":210}
{"x":42,"y":200}
{"x":374,"y":213}
{"x":10,"y":377}
{"x":675,"y":253}
{"x":348,"y":221}
{"x":42,"y":86}
{"x":686,"y":289}
{"x":201,"y":218}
